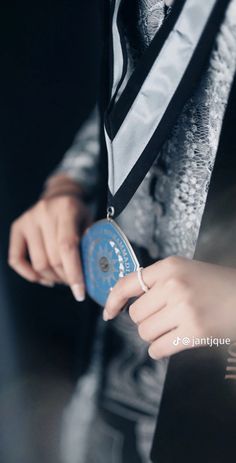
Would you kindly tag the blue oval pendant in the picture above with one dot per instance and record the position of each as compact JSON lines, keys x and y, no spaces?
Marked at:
{"x":106,"y":256}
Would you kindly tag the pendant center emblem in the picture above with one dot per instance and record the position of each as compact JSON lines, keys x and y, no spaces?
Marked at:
{"x":104,"y":264}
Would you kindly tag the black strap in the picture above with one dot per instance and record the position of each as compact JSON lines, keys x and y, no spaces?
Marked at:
{"x":117,"y":111}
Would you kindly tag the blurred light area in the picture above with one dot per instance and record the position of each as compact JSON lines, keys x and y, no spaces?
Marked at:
{"x":31,"y":401}
{"x":15,"y":444}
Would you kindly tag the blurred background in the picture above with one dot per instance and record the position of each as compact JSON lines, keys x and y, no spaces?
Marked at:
{"x":48,"y":85}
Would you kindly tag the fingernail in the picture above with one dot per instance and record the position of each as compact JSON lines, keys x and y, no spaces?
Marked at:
{"x":78,"y":292}
{"x":105,"y":315}
{"x":152,"y":354}
{"x":49,"y":284}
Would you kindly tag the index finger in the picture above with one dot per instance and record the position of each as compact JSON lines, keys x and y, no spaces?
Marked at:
{"x":68,"y":240}
{"x":17,"y":256}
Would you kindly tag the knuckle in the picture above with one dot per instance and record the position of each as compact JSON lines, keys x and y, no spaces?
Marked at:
{"x":178,"y":284}
{"x":142,"y":330}
{"x":157,"y":351}
{"x":16,"y":226}
{"x":13,"y":261}
{"x":21,"y":222}
{"x":26,"y":218}
{"x":69,"y":203}
{"x":132,"y":312}
{"x":40,"y":266}
{"x":56,"y":265}
{"x":41,"y":205}
{"x":43,"y":208}
{"x":67,"y":244}
{"x":175,"y":283}
{"x":153,"y":353}
{"x":173,"y":262}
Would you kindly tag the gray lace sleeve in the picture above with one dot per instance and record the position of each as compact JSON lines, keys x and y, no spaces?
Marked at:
{"x":80,"y":161}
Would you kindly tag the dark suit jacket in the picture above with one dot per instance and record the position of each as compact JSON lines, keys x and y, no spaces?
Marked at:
{"x":197,"y":419}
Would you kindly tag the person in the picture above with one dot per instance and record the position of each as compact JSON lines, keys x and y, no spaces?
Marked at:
{"x":159,"y":177}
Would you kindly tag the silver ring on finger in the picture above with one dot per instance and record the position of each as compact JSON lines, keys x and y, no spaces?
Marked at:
{"x":143,"y":285}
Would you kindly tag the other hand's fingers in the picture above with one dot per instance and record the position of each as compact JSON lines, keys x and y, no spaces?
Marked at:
{"x":164,"y":346}
{"x":68,"y":242}
{"x":50,"y":243}
{"x":39,"y":258}
{"x":129,"y":287}
{"x":173,"y":342}
{"x":148,"y":304}
{"x":17,"y":256}
{"x":159,"y":324}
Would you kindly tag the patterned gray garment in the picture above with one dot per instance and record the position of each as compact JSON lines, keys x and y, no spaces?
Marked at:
{"x":163,"y":217}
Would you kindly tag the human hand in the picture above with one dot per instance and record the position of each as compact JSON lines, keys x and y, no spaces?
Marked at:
{"x":44,"y":242}
{"x":186,"y":298}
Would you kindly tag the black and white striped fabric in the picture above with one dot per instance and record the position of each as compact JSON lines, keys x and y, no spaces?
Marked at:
{"x":142,"y":116}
